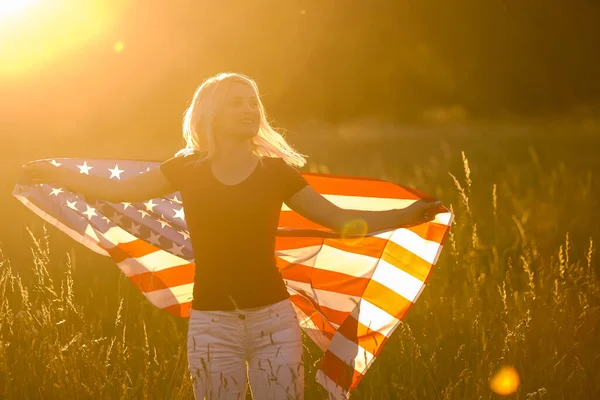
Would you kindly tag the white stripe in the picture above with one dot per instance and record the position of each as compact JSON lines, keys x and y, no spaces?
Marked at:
{"x":437,"y":255}
{"x":73,"y":234}
{"x":116,"y":235}
{"x":315,"y":334}
{"x":303,"y":255}
{"x":375,"y":318}
{"x":375,"y":204}
{"x":174,"y":295}
{"x":444,"y":218}
{"x":310,"y":328}
{"x":426,"y":249}
{"x":345,"y":262}
{"x":333,"y":300}
{"x":91,"y":233}
{"x":398,"y":280}
{"x":363,"y":203}
{"x":334,"y":391}
{"x":156,"y":261}
{"x":351,"y":353}
{"x":359,"y":265}
{"x":332,"y":259}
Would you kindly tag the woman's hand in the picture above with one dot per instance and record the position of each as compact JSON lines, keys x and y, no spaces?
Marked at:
{"x":42,"y":172}
{"x":422,"y":211}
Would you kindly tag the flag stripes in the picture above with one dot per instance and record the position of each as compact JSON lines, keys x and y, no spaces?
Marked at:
{"x":350,"y":292}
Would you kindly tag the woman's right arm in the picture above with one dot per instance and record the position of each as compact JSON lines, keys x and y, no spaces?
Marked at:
{"x":144,"y":186}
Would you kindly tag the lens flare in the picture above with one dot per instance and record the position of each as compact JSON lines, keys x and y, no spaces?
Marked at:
{"x":506,"y":381}
{"x":355,"y":230}
{"x":119,"y":47}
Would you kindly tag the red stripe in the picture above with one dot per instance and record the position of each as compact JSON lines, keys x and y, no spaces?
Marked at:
{"x":293,"y":242}
{"x":365,"y":337}
{"x":307,"y":308}
{"x":368,"y":246}
{"x":434,"y":232}
{"x":339,"y":372}
{"x":291,"y":219}
{"x":294,"y":272}
{"x":323,"y":279}
{"x":430,"y":231}
{"x":164,"y":279}
{"x":338,"y":282}
{"x":336,"y":316}
{"x":180,"y":309}
{"x":134,"y":249}
{"x":359,"y":186}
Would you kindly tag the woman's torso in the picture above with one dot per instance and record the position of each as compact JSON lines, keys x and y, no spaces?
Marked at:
{"x":232,"y":229}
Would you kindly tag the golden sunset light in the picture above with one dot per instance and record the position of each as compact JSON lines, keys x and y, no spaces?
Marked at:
{"x":36,"y":33}
{"x":10,"y":8}
{"x":315,"y":199}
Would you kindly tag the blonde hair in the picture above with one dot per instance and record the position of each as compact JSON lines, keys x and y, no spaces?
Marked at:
{"x":199,"y":117}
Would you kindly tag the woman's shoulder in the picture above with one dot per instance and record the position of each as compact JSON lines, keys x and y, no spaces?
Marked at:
{"x":273,"y":163}
{"x":189,"y":154}
{"x":273,"y":160}
{"x":185,"y":158}
{"x":278,"y":166}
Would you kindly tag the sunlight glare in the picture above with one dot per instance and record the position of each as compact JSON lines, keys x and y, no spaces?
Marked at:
{"x":9,"y":8}
{"x":48,"y":32}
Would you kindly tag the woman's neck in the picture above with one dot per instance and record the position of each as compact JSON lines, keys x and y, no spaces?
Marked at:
{"x":232,"y":153}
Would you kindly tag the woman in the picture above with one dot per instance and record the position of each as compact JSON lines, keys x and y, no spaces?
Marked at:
{"x":236,"y":171}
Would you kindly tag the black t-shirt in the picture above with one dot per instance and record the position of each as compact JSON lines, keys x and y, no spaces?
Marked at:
{"x":232,"y":230}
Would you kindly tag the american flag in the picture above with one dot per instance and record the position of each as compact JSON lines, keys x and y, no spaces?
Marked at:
{"x":350,"y":292}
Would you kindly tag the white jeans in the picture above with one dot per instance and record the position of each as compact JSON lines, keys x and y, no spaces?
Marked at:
{"x":262,"y":345}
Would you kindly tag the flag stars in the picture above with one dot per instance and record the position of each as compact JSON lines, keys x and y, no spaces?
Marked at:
{"x":179,"y":214}
{"x":90,"y":212}
{"x":150,"y":205}
{"x":175,"y":199}
{"x":143,"y":213}
{"x":72,"y":205}
{"x":98,"y":205}
{"x":162,"y":222}
{"x":55,"y":192}
{"x":185,"y":234}
{"x":116,"y":218}
{"x":126,"y":205}
{"x":154,"y":239}
{"x":176,"y":250}
{"x":55,"y":163}
{"x":84,"y":169}
{"x":116,"y":172}
{"x":135,"y":229}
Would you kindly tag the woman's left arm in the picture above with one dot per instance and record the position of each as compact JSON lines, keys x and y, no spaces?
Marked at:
{"x":313,"y":206}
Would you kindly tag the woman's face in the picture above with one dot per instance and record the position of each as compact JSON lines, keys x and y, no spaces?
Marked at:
{"x":239,"y":116}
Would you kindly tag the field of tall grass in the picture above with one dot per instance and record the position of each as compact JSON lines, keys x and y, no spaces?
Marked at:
{"x":517,"y":285}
